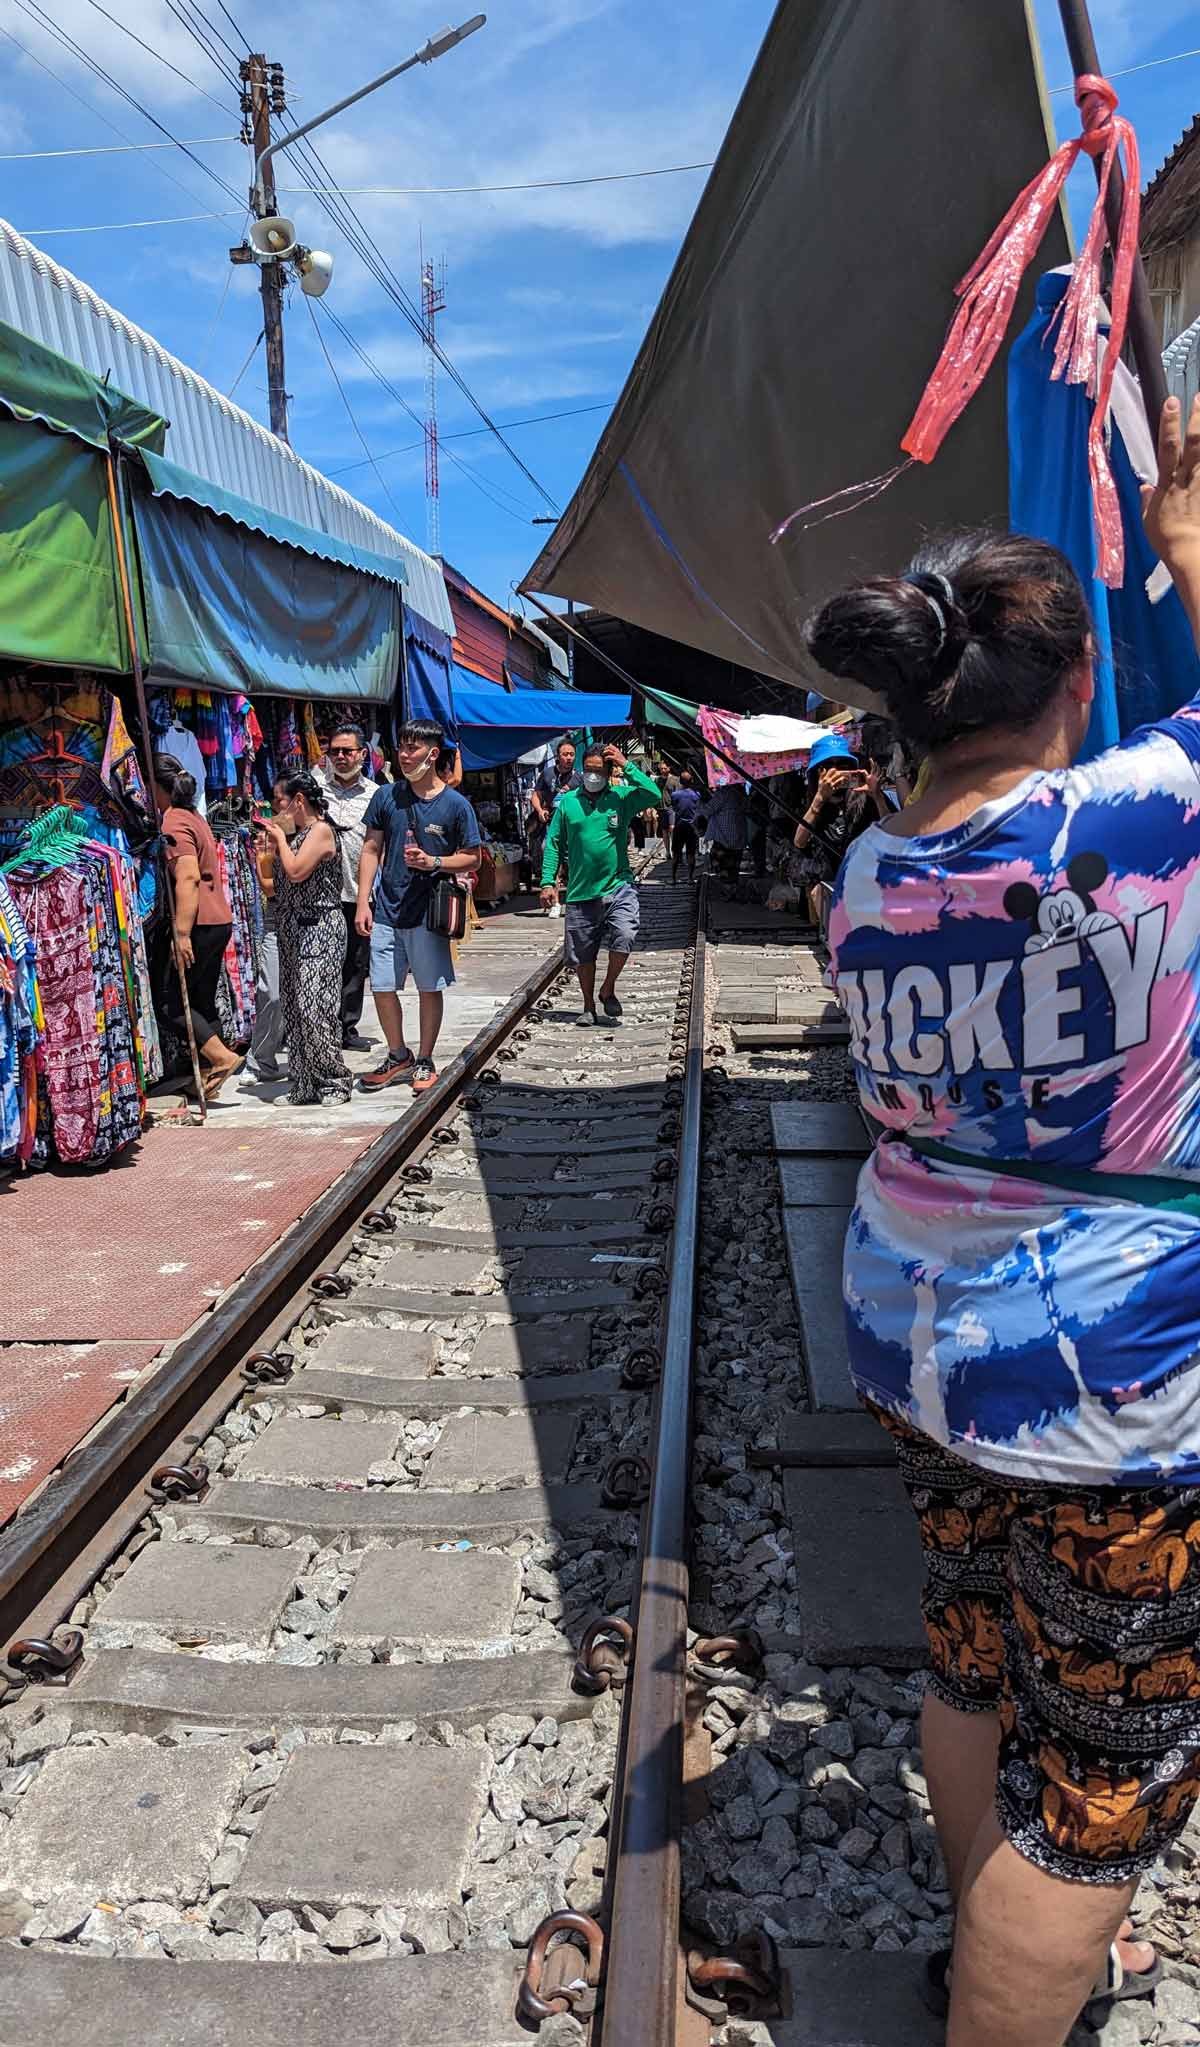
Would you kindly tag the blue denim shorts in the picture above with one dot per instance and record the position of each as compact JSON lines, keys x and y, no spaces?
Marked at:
{"x":395,"y":955}
{"x":611,"y":921}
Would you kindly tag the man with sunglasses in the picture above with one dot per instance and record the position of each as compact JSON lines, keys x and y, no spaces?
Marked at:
{"x":348,"y":791}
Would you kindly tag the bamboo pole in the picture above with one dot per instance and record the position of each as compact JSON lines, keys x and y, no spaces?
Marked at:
{"x":116,"y":500}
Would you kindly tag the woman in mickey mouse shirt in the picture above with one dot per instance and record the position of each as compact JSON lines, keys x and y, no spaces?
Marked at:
{"x":1018,"y":954}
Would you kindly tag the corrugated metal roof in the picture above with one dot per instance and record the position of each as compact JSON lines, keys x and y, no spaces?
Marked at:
{"x":1171,"y":201}
{"x":208,"y":433}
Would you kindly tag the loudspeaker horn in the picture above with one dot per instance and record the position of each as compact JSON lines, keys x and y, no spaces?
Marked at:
{"x":274,"y":236}
{"x":316,"y":272}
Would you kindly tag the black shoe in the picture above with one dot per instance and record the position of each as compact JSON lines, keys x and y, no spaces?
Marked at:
{"x":586,"y":1017}
{"x":395,"y":1069}
{"x":354,"y":1041}
{"x":611,"y":1006}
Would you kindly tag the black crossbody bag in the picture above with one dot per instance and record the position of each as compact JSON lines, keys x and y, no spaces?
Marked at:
{"x":447,"y":911}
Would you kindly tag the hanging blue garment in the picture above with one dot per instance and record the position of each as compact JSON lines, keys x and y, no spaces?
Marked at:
{"x":1146,"y":660}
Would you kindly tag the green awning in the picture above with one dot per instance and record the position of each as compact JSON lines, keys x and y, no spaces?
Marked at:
{"x":37,"y":384}
{"x":167,"y":479}
{"x":686,"y":713}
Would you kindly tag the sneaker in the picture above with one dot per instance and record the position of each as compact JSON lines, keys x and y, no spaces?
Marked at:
{"x":424,"y":1076}
{"x":586,"y":1017}
{"x":611,"y":1006}
{"x":393,"y":1070}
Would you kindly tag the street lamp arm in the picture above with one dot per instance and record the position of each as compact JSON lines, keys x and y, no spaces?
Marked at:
{"x":437,"y":46}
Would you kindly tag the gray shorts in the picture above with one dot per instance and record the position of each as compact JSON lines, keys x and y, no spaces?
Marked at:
{"x":423,"y":953}
{"x":610,"y":921}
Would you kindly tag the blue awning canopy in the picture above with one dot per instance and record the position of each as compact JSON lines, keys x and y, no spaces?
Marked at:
{"x":493,"y":726}
{"x":237,"y":599}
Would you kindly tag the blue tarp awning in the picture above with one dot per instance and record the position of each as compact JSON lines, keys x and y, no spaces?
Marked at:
{"x":168,"y":479}
{"x":233,"y":604}
{"x":493,"y":726}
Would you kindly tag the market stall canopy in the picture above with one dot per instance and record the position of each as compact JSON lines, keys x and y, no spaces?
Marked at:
{"x":874,"y":150}
{"x":494,"y":726}
{"x":241,"y":599}
{"x":60,"y":597}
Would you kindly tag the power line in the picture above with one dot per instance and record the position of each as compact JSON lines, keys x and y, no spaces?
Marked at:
{"x":345,"y":217}
{"x":152,"y":52}
{"x":95,"y":112}
{"x":531,"y":185}
{"x":239,"y":33}
{"x":38,"y":15}
{"x":249,"y":359}
{"x":472,"y":433}
{"x":519,"y":513}
{"x":189,"y":27}
{"x":342,"y":393}
{"x":109,"y":148}
{"x":216,"y":318}
{"x":103,"y":227}
{"x":1152,"y":64}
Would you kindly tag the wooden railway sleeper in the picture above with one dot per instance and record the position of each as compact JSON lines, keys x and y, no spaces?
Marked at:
{"x":562,"y":1978}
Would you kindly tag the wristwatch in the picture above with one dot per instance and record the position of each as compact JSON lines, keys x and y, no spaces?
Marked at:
{"x":437,"y":866}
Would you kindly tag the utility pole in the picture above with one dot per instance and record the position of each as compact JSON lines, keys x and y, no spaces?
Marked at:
{"x":433,"y":302}
{"x":263,"y":95}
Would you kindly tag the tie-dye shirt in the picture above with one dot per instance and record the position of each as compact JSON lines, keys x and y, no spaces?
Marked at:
{"x":1027,"y":986}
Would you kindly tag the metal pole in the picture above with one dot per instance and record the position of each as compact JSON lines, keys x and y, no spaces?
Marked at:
{"x":262,"y":198}
{"x":116,"y":501}
{"x":1143,"y":337}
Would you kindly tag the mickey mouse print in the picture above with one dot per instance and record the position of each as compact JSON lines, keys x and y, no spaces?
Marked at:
{"x":1026,"y":987}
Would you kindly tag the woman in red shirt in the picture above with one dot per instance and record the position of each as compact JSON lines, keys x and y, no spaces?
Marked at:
{"x":203,"y":918}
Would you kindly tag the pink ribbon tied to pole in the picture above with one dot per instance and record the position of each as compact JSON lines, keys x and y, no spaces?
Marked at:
{"x":988,"y":293}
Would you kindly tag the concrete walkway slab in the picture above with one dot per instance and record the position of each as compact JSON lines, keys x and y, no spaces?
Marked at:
{"x":193,"y":1594}
{"x":815,"y":1241}
{"x":461,"y":1602}
{"x":356,"y":1347}
{"x":841,"y":1998}
{"x":339,"y":1829}
{"x":818,"y":1127}
{"x":858,"y":1567}
{"x":319,"y":1452}
{"x":451,"y":2000}
{"x":819,"y":1182}
{"x":122,"y":1823}
{"x":139,"y":1691}
{"x":524,"y":1348}
{"x":789,"y":1036}
{"x":50,"y":1394}
{"x":436,"y":1270}
{"x":481,"y":1451}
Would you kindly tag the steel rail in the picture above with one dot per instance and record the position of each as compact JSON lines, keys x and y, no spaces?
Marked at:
{"x":643,"y":1958}
{"x":93,"y":1504}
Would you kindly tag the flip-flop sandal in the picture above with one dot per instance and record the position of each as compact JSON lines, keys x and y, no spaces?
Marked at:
{"x":214,"y":1082}
{"x":1119,"y":1983}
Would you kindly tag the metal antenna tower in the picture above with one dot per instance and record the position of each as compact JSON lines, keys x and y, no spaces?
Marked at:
{"x":433,"y":302}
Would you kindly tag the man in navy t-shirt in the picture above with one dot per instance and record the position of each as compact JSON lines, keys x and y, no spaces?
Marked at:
{"x":417,"y":828}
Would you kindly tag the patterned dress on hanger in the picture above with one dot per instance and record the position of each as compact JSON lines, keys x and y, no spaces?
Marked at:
{"x":312,"y":948}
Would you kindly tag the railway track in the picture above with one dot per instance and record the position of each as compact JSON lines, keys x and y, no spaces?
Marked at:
{"x":325,"y":1636}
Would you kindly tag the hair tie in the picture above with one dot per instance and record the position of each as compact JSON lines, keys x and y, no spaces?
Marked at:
{"x":939,"y":614}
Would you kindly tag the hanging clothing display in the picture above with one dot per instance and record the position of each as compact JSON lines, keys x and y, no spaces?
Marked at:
{"x":20,"y":1024}
{"x":236,"y":998}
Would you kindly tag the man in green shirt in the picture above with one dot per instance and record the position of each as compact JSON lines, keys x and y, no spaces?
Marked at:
{"x":591,"y":825}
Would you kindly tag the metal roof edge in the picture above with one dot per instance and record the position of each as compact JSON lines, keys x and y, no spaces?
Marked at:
{"x":207,"y":432}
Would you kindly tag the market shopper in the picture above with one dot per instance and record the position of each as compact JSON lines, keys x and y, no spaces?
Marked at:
{"x":270,"y":1037}
{"x":203,"y":920}
{"x":590,"y":827}
{"x":724,"y":827}
{"x":348,"y":792}
{"x":841,"y":800}
{"x":312,"y":939}
{"x":683,"y":808}
{"x":417,"y":828}
{"x":557,"y":777}
{"x":1018,"y":953}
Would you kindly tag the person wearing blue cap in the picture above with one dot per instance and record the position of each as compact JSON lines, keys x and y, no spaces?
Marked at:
{"x":843,"y":798}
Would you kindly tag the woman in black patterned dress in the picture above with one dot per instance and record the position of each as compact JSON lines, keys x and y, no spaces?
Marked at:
{"x":312,"y":940}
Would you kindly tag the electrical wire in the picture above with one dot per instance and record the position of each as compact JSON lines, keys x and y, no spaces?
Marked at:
{"x":109,"y":148}
{"x":104,"y":119}
{"x":216,"y":318}
{"x":521,"y":513}
{"x":103,"y":227}
{"x":326,"y":189}
{"x":472,"y":433}
{"x":342,"y":393}
{"x":1152,"y":64}
{"x":189,"y":27}
{"x":157,"y":54}
{"x":38,"y":15}
{"x":670,"y":170}
{"x":218,"y":36}
{"x":239,"y":33}
{"x":249,"y":359}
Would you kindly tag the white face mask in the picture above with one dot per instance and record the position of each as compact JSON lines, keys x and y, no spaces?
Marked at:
{"x":594,"y":782}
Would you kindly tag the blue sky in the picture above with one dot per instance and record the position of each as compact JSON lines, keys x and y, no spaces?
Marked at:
{"x":550,"y":290}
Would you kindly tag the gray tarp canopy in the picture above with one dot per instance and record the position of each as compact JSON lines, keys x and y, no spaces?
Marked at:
{"x":873,"y":151}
